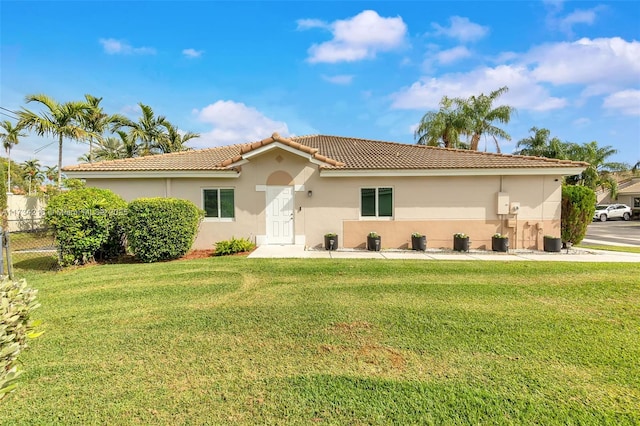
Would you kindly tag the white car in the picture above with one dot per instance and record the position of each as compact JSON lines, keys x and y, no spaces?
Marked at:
{"x":612,"y":211}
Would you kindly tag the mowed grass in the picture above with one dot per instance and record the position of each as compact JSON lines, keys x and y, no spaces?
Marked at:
{"x":624,"y":249}
{"x":242,"y":341}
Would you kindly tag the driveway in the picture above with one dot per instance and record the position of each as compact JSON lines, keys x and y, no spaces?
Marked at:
{"x":614,"y":232}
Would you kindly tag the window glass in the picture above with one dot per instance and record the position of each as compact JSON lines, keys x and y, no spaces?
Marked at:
{"x":226,"y":203}
{"x":368,"y":200}
{"x":219,"y":203}
{"x":376,"y":202}
{"x":636,"y":202}
{"x":385,"y":202}
{"x":211,"y":203}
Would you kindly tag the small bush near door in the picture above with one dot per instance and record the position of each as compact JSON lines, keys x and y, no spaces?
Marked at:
{"x":161,"y":228}
{"x":233,"y":246}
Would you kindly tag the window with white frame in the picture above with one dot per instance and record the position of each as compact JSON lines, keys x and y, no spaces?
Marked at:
{"x":218,"y":203}
{"x":376,"y":202}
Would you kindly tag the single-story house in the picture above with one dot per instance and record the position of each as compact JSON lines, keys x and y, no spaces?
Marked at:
{"x":629,"y":194}
{"x":294,"y":190}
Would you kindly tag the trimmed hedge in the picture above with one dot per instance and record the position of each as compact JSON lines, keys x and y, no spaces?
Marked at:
{"x":578,"y":206}
{"x":17,"y":302}
{"x":161,"y":228}
{"x":88,"y":224}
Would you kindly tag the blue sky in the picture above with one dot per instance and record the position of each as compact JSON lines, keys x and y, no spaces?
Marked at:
{"x":238,"y":71}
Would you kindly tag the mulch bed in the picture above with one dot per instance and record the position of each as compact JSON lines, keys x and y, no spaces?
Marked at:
{"x":197,"y":254}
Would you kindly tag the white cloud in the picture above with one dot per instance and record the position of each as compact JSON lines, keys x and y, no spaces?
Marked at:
{"x":305,"y":24}
{"x":357,"y":38}
{"x":524,"y":92}
{"x":625,"y":101}
{"x":192,"y":53}
{"x":581,"y":122}
{"x":594,"y":67}
{"x":338,"y":79}
{"x":119,"y":47}
{"x":587,"y":61}
{"x":462,"y":29}
{"x":452,"y":55}
{"x":235,"y":122}
{"x":565,"y":24}
{"x":577,"y":17}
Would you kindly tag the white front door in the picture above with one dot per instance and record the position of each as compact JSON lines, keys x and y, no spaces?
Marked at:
{"x":280,"y":215}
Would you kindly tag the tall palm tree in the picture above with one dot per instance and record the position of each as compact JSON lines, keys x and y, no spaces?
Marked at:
{"x":441,"y":128}
{"x":113,"y":148}
{"x":481,"y":114}
{"x":129,"y":143}
{"x":174,"y":141}
{"x":149,"y":129}
{"x":96,"y":121}
{"x":31,"y":171}
{"x":539,"y":145}
{"x":60,"y":120}
{"x":51,"y":172}
{"x":535,"y":145}
{"x":599,"y":168}
{"x":110,"y":148}
{"x":10,"y":136}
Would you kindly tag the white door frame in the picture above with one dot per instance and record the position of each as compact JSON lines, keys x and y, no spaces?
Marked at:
{"x":279,"y":214}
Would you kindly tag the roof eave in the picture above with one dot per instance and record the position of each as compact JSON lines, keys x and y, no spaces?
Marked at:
{"x":524,"y":171}
{"x":151,"y":174}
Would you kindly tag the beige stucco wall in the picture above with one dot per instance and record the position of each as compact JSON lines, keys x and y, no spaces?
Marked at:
{"x":435,"y":206}
{"x":25,"y":213}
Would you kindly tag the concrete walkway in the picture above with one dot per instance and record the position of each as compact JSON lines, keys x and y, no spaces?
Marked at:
{"x":574,"y":255}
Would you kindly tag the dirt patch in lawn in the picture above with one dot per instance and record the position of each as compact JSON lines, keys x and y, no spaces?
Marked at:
{"x":197,"y":254}
{"x":201,"y":254}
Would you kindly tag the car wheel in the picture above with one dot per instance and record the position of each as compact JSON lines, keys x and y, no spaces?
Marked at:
{"x":626,"y":216}
{"x":603,"y":218}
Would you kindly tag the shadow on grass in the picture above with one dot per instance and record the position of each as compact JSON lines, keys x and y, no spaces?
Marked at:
{"x":35,"y":263}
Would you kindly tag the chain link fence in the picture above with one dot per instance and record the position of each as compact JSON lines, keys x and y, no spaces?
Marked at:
{"x":27,"y":245}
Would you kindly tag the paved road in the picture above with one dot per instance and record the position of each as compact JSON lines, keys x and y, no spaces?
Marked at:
{"x":614,"y":232}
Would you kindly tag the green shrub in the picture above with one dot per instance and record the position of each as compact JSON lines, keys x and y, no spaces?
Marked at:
{"x":161,"y":228}
{"x":233,"y":246}
{"x":17,"y":301}
{"x":578,"y":206}
{"x":88,"y":224}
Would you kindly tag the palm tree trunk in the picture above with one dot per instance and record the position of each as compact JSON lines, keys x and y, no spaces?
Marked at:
{"x":475,"y":140}
{"x":60,"y":162}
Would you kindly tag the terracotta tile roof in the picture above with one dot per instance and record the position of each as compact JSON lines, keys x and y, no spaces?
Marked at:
{"x":338,"y":153}
{"x":631,"y":189}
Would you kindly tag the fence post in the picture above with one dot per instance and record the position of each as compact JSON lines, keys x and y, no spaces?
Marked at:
{"x":7,"y":247}
{"x":1,"y":250}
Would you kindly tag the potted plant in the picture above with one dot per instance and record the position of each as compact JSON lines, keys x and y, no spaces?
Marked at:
{"x":460,"y":242}
{"x":418,"y":241}
{"x":552,"y":244}
{"x":373,"y":241}
{"x":331,"y":241}
{"x":500,"y":242}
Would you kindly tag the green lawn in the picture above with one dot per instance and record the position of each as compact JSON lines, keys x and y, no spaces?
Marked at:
{"x":611,"y":248}
{"x":236,"y":340}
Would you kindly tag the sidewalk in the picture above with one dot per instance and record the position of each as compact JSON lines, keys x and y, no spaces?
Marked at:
{"x":574,"y":254}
